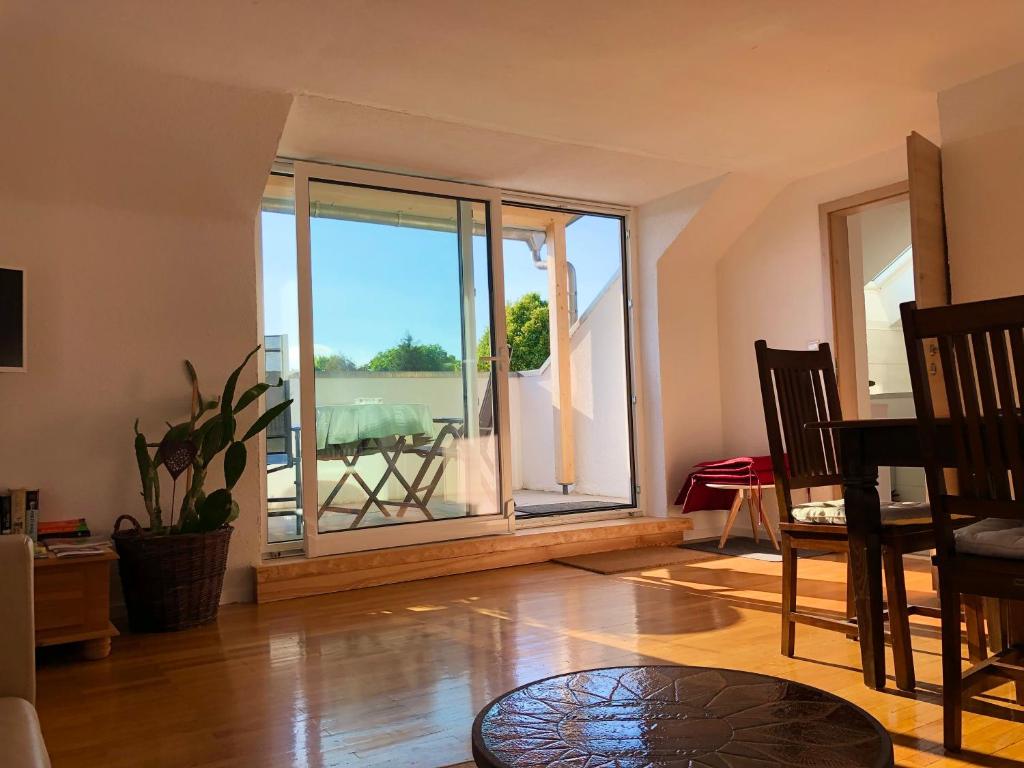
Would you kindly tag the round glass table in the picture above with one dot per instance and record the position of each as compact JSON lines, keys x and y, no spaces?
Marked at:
{"x":655,"y":716}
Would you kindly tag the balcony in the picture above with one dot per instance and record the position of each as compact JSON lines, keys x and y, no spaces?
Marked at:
{"x":600,"y":446}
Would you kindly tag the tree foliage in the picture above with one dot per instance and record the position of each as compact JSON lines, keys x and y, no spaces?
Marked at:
{"x":526,"y":323}
{"x":411,"y":355}
{"x":333,"y":364}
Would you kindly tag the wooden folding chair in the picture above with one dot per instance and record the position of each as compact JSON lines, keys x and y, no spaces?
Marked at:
{"x":437,"y":454}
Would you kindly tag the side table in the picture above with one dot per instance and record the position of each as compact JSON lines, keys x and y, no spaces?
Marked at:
{"x":72,"y":602}
{"x":749,"y":494}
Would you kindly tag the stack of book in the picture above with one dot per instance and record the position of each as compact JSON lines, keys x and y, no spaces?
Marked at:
{"x":64,"y":529}
{"x":19,"y":512}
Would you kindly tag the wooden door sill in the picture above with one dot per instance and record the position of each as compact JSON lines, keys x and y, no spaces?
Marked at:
{"x":284,"y":579}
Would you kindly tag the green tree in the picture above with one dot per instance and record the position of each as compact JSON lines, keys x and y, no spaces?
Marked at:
{"x":526,"y":324}
{"x":333,"y":364}
{"x":410,"y":355}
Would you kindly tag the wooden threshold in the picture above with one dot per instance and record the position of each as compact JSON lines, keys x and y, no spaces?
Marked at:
{"x":286,"y":578}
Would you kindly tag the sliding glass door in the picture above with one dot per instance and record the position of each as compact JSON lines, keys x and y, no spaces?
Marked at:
{"x":402,"y":406}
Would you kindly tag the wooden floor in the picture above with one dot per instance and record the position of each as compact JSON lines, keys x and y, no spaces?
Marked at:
{"x":392,"y":676}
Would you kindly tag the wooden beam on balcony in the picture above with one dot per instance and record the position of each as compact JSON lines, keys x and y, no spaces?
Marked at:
{"x":561,"y":374}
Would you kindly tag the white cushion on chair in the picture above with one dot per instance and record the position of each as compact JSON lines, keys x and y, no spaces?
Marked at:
{"x":825,"y":512}
{"x":834,"y":512}
{"x":992,"y":537}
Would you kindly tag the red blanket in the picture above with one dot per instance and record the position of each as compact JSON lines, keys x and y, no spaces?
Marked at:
{"x":742,"y":470}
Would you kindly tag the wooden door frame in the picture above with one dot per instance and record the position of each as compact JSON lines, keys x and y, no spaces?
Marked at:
{"x":835,"y":249}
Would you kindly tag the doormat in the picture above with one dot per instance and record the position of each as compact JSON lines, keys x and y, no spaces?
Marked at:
{"x":558,"y":508}
{"x":624,"y":560}
{"x":748,"y":548}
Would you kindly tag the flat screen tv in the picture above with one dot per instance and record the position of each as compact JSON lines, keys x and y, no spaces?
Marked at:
{"x":12,"y":319}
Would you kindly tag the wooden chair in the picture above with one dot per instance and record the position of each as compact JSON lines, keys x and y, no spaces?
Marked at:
{"x":981,"y":350}
{"x":798,"y":388}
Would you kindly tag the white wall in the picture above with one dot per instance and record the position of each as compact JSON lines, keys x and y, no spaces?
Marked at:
{"x":600,"y":407}
{"x":657,"y":226}
{"x":682,"y":237}
{"x":983,"y":184}
{"x":772,"y":284}
{"x":130,"y":199}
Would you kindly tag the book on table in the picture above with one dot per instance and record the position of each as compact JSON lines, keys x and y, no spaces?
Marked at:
{"x":78,"y":547}
{"x":64,"y":529}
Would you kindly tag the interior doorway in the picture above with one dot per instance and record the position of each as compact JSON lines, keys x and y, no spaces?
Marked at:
{"x":882,"y":264}
{"x":868,"y":240}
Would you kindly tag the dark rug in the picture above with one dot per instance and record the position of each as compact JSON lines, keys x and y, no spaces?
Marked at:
{"x":748,"y":548}
{"x":544,"y":510}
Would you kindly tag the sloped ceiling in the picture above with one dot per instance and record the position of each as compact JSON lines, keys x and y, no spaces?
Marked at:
{"x":678,"y":90}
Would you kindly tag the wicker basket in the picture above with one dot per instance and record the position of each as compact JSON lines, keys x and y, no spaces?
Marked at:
{"x":170,"y":582}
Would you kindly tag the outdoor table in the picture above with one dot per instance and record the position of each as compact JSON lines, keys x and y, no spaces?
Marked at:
{"x":351,"y":431}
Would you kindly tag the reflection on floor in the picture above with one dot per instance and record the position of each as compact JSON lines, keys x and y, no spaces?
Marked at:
{"x":393,"y":676}
{"x":528,"y":503}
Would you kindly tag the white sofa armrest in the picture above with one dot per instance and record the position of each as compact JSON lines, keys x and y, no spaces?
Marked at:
{"x":17,"y":619}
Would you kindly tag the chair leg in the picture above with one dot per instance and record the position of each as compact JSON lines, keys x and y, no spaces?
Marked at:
{"x":899,"y":618}
{"x":755,"y":518}
{"x":733,"y":511}
{"x":952,"y":691}
{"x":851,"y":596}
{"x":789,"y":562}
{"x":974,"y":617}
{"x":1015,"y":637}
{"x":997,"y":618}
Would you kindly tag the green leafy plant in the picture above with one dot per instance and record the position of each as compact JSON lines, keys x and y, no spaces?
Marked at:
{"x":191,"y":446}
{"x":526,"y":323}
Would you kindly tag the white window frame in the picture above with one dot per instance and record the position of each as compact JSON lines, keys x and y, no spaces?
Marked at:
{"x":387,"y":537}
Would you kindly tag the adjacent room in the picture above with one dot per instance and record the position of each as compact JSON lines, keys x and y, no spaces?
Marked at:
{"x":447,"y":384}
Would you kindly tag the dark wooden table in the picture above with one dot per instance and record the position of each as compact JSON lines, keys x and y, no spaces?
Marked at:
{"x":865,"y":445}
{"x":660,"y":716}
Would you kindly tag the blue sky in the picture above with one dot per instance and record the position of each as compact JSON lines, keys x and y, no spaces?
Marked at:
{"x":372,"y":283}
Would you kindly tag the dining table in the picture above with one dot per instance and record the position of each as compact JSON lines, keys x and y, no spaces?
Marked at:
{"x":864,"y":446}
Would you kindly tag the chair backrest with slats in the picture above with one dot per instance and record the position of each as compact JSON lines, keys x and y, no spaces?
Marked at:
{"x":798,"y":388}
{"x":980,"y":347}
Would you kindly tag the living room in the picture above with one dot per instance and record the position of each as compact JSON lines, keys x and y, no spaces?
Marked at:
{"x":516,"y":259}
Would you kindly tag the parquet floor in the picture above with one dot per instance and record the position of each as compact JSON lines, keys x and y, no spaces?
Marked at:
{"x":393,"y":676}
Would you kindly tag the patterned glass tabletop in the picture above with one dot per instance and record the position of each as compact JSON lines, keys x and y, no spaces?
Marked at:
{"x":699,"y":717}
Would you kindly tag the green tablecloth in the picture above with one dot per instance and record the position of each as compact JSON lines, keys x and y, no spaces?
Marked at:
{"x":345,"y":425}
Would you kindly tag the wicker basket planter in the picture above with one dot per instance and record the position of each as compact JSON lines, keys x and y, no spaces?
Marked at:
{"x":170,"y":582}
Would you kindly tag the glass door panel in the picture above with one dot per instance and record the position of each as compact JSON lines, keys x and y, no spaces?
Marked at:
{"x":571,"y":414}
{"x":401,"y":348}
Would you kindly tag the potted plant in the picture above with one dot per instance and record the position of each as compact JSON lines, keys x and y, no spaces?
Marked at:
{"x":172,"y":571}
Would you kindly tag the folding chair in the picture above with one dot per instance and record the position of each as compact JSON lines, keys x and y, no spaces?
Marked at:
{"x":442,"y":450}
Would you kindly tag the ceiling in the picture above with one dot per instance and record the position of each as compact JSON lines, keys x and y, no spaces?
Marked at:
{"x":636,"y":98}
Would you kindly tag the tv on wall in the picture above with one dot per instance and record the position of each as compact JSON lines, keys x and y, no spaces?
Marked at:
{"x":12,"y":319}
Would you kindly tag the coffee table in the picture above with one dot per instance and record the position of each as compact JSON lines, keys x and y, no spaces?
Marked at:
{"x":655,"y":716}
